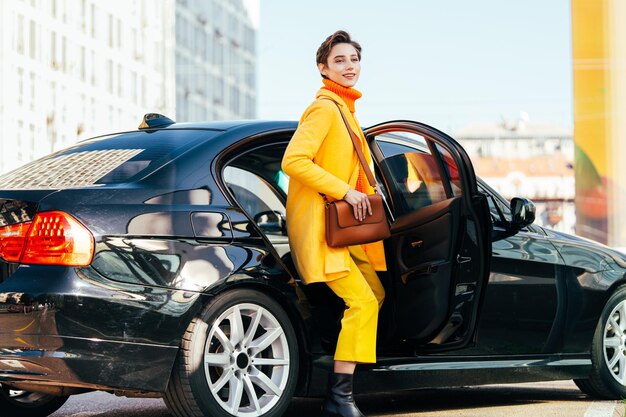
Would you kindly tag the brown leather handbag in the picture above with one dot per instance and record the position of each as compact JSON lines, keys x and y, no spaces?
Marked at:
{"x":342,"y":229}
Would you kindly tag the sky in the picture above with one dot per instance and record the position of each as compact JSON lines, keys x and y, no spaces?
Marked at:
{"x":447,"y":63}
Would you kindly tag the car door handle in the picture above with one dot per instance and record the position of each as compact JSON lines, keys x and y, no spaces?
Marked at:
{"x":462,"y":259}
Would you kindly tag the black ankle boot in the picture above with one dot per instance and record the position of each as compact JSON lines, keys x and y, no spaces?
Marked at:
{"x":339,"y":401}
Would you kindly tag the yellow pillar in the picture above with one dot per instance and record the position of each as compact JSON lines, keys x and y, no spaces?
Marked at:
{"x":617,"y":121}
{"x":599,"y":54}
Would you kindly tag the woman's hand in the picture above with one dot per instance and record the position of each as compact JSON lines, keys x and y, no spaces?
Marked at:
{"x":360,"y":204}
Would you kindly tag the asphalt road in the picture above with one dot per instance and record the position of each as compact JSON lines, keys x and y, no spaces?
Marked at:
{"x":560,"y":399}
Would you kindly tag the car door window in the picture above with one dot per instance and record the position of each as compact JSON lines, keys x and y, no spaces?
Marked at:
{"x":452,"y":171}
{"x":256,"y":197}
{"x":497,"y":216}
{"x":259,"y":186}
{"x":413,"y":176}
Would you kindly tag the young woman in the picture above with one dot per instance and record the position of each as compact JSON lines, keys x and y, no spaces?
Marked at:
{"x":321,"y":160}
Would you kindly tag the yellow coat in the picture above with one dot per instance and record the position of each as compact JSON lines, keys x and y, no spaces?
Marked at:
{"x":320,"y":158}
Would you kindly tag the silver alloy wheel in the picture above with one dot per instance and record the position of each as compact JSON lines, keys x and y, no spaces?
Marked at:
{"x":614,"y":343}
{"x":246,"y":360}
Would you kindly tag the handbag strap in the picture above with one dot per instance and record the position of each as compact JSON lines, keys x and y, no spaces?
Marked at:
{"x":357,"y":147}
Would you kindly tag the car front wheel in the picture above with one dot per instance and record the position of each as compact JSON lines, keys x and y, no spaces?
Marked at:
{"x":28,"y":404}
{"x":608,"y":352}
{"x":239,"y":357}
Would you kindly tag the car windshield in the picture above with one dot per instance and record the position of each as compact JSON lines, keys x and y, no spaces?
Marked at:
{"x":105,"y":160}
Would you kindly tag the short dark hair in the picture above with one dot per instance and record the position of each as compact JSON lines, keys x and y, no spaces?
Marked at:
{"x":340,"y":36}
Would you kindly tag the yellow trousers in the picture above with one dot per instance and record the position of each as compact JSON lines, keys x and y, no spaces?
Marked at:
{"x":363,"y":294}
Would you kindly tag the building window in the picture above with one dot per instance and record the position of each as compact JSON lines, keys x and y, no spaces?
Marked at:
{"x":109,"y":76}
{"x":208,"y":45}
{"x":234,"y":99}
{"x":144,"y":92}
{"x":133,"y":40}
{"x":198,"y":41}
{"x":32,"y":90}
{"x":63,"y":7}
{"x":250,"y":75}
{"x":110,"y":29}
{"x":53,"y":90}
{"x":133,"y":77}
{"x":83,"y":64}
{"x":218,"y":89}
{"x":64,"y":65}
{"x":83,"y":15}
{"x":191,"y":36}
{"x":232,"y":63}
{"x":93,"y":112}
{"x":119,"y":81}
{"x":118,"y":33}
{"x":20,"y":34}
{"x":53,"y":50}
{"x":92,"y":19}
{"x":20,"y":86}
{"x":209,"y":86}
{"x":249,"y":42}
{"x":250,"y":110}
{"x":235,"y":31}
{"x":218,"y":52}
{"x":31,"y":141}
{"x":32,"y":41}
{"x":159,"y":62}
{"x":20,"y":144}
{"x":92,"y":69}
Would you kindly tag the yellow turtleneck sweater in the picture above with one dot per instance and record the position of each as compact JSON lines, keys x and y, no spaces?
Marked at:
{"x":348,"y":94}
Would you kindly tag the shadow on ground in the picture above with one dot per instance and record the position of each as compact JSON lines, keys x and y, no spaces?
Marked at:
{"x":99,"y":404}
{"x":416,"y":401}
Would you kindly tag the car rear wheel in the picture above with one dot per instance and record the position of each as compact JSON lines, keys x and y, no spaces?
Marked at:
{"x":238,"y":357}
{"x":28,"y":404}
{"x":608,"y":352}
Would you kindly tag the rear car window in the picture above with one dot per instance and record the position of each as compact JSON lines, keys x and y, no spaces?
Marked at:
{"x":105,"y":160}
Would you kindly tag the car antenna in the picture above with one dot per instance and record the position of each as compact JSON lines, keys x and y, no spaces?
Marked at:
{"x":153,"y":120}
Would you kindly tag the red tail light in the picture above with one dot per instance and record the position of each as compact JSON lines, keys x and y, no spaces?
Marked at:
{"x":53,"y":238}
{"x":12,"y":240}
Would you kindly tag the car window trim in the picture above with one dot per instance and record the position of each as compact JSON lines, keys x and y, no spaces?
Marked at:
{"x":226,"y":157}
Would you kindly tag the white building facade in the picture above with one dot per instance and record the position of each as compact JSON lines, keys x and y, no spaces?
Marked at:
{"x":527,"y":159}
{"x":72,"y":69}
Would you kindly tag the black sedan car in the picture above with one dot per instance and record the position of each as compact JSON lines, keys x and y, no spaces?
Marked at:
{"x":156,"y":263}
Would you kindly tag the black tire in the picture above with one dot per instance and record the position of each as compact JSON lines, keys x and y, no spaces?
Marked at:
{"x":20,"y":403}
{"x":260,"y":378}
{"x":604,"y":380}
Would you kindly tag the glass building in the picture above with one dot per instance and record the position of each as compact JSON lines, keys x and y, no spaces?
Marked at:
{"x":215,"y":60}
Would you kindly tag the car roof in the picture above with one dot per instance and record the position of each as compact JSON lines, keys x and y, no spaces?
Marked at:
{"x":251,"y":127}
{"x":230,"y":124}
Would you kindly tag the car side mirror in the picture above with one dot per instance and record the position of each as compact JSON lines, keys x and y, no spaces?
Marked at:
{"x":523,"y":211}
{"x":271,"y":221}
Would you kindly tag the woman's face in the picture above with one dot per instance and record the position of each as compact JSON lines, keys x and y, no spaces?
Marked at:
{"x":342,"y":66}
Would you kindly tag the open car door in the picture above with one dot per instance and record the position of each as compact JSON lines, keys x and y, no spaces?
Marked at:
{"x":438,"y":254}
